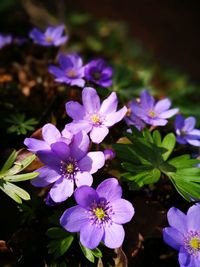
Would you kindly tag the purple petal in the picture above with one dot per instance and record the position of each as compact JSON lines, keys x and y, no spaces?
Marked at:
{"x":147,"y":101}
{"x":90,"y":235}
{"x":92,"y":162}
{"x":98,"y":133}
{"x":46,"y":176}
{"x":181,"y":140}
{"x":179,"y":122}
{"x":193,"y":218}
{"x":34,"y":144}
{"x":78,"y":82}
{"x":162,"y":105}
{"x":74,"y":218}
{"x":65,"y":62}
{"x":80,"y":145}
{"x":109,"y":105}
{"x":61,"y":190}
{"x":114,"y":235}
{"x":189,"y":124}
{"x":183,"y":257}
{"x":177,"y":219}
{"x":49,"y":158}
{"x":173,"y":237}
{"x":56,"y":71}
{"x":75,"y":110}
{"x":110,"y":190}
{"x":115,"y":117}
{"x":61,"y":149}
{"x":55,"y":31}
{"x":78,"y":126}
{"x":169,"y":113}
{"x":195,"y":133}
{"x":36,"y":35}
{"x":156,"y":122}
{"x":61,"y":40}
{"x":85,"y":196}
{"x":193,"y":142}
{"x":123,"y":211}
{"x":50,"y":133}
{"x":90,"y":100}
{"x":83,"y":178}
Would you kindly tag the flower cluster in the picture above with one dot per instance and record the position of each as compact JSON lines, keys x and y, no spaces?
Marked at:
{"x":146,"y":111}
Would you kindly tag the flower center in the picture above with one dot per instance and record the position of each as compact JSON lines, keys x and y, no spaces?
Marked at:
{"x":99,"y":212}
{"x":152,"y":114}
{"x":96,"y":75}
{"x":48,"y":39}
{"x":95,"y":119}
{"x":192,"y":243}
{"x":69,"y":169}
{"x":71,"y":73}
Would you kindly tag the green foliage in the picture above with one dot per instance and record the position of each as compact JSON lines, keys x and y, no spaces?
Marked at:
{"x":9,"y":174}
{"x":19,"y":124}
{"x":60,"y":241}
{"x":147,"y":157}
{"x":90,"y":254}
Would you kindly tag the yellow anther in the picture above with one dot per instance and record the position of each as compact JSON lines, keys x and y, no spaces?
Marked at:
{"x":99,"y":212}
{"x":195,"y":243}
{"x":70,"y":168}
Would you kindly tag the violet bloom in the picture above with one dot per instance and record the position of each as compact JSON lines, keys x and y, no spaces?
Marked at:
{"x":50,"y":135}
{"x":184,"y":235}
{"x":99,"y":215}
{"x":71,"y":70}
{"x":132,"y":119}
{"x":5,"y":40}
{"x":186,"y":133}
{"x":67,"y":164}
{"x":92,"y":116}
{"x":53,"y":36}
{"x":99,"y":73}
{"x":153,"y":113}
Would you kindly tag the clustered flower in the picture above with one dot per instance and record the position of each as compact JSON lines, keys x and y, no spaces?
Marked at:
{"x":68,"y":161}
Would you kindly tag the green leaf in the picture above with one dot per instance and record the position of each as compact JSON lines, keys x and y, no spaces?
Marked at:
{"x":168,"y":142}
{"x":4,"y":186}
{"x":87,"y":253}
{"x":56,"y":232}
{"x":18,"y":191}
{"x":9,"y":162}
{"x":21,"y":177}
{"x":97,"y":253}
{"x":21,"y":165}
{"x":157,"y":138}
{"x":58,"y":247}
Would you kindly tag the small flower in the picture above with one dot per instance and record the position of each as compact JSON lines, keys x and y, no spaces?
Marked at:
{"x":71,"y":70}
{"x":92,"y":116}
{"x":99,"y":73}
{"x":53,"y":36}
{"x":132,"y":119}
{"x":99,"y":215}
{"x":109,"y":154}
{"x":186,"y":133}
{"x":150,"y":112}
{"x":184,"y":235}
{"x":65,"y":164}
{"x":5,"y":40}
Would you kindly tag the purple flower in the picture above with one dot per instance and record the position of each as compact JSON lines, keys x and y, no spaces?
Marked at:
{"x":71,"y":70}
{"x":53,"y":36}
{"x":5,"y":40}
{"x":99,"y":215}
{"x":66,"y":164}
{"x":50,"y":135}
{"x":153,"y":113}
{"x":131,"y":118}
{"x":186,"y":133}
{"x":92,"y":116}
{"x":184,"y":235}
{"x":99,"y":73}
{"x":109,"y":154}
